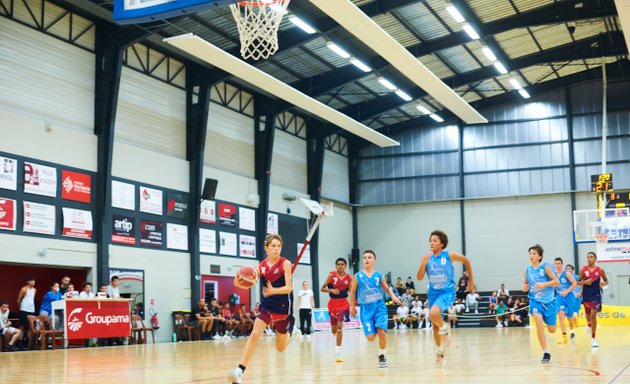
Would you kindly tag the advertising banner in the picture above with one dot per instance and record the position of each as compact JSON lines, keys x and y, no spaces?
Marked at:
{"x":272,"y":223}
{"x":151,"y":233}
{"x":77,"y":223}
{"x":247,"y":246}
{"x":123,"y":230}
{"x":227,"y":243}
{"x":39,"y":218}
{"x":207,"y":241}
{"x":177,"y":205}
{"x":123,"y":195}
{"x":227,"y":215}
{"x":97,"y":319}
{"x":150,"y":200}
{"x":321,"y":320}
{"x":8,"y":173}
{"x":8,"y":213}
{"x":208,"y":212}
{"x":247,"y":219}
{"x":76,"y":186}
{"x":617,"y":251}
{"x":306,"y":257}
{"x":176,"y":236}
{"x":40,"y":179}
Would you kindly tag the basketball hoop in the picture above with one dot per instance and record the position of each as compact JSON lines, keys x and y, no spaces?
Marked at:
{"x":258,"y":22}
{"x":601,"y":238}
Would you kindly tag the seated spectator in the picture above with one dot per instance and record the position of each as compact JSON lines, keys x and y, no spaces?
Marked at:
{"x":415,"y":314}
{"x":87,"y":293}
{"x":452,"y":316}
{"x":65,"y":285}
{"x":400,"y":287}
{"x":53,"y":295}
{"x":230,"y":322}
{"x":70,"y":292}
{"x":425,"y":316}
{"x":113,"y":292}
{"x":462,"y":287}
{"x":500,"y":315}
{"x":463,"y":278}
{"x":493,"y":302}
{"x":516,"y":314}
{"x":406,"y":298}
{"x":503,"y":294}
{"x":218,"y":324}
{"x":199,"y":318}
{"x":416,"y":300}
{"x":459,"y":306}
{"x":410,"y":286}
{"x":402,"y":312}
{"x":472,"y":302}
{"x":246,"y":323}
{"x":138,"y":310}
{"x":10,"y":335}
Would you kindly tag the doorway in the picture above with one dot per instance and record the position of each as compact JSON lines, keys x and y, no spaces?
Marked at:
{"x":623,"y":289}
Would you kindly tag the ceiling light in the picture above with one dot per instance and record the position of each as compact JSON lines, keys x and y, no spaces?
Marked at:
{"x":423,"y":109}
{"x":450,"y":8}
{"x":470,"y":31}
{"x":489,"y":54}
{"x":386,"y":83}
{"x":515,"y":84}
{"x":500,"y":67}
{"x":359,"y":64}
{"x":338,"y":50}
{"x":403,"y":95}
{"x":300,"y":23}
{"x":524,"y":93}
{"x":436,"y":117}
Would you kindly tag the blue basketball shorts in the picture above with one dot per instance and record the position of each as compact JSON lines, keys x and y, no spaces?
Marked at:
{"x":566,"y":304}
{"x":548,"y":311}
{"x":372,"y":317}
{"x":443,"y":299}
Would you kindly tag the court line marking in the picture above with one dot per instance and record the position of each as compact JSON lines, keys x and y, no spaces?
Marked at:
{"x":584,"y":369}
{"x":619,"y":374}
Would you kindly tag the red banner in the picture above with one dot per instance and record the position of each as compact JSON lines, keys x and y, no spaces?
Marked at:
{"x":97,"y":319}
{"x":76,"y":186}
{"x":7,"y":214}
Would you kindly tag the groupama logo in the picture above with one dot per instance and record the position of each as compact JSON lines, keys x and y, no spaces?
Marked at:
{"x":74,"y":323}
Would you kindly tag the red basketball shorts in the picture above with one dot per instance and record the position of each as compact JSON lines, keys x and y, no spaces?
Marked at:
{"x":337,"y":309}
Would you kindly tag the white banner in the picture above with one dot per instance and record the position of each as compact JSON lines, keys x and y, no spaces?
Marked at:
{"x":272,"y":223}
{"x":613,"y":251}
{"x":8,"y":173}
{"x":151,"y":200}
{"x":123,"y":195}
{"x":247,"y":246}
{"x":227,"y":243}
{"x":207,"y":241}
{"x":77,"y":223}
{"x":176,"y":236}
{"x":306,"y":257}
{"x":40,"y":179}
{"x":208,"y":212}
{"x":247,"y":219}
{"x":39,"y":218}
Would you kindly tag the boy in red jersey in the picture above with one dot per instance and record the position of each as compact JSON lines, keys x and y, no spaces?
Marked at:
{"x":592,"y":278}
{"x":276,"y":303}
{"x":337,"y":284}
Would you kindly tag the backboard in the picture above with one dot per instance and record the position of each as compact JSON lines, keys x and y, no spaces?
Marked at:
{"x":142,"y":11}
{"x":614,"y":222}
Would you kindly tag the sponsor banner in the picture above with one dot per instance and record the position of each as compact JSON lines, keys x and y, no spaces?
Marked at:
{"x":39,"y":218}
{"x":227,"y":214}
{"x":8,"y":214}
{"x":40,"y":179}
{"x":177,"y":205}
{"x":151,"y":233}
{"x":207,"y":241}
{"x":77,"y":223}
{"x":247,"y":246}
{"x":247,"y":219}
{"x":306,"y":257}
{"x":321,"y":320}
{"x":176,"y":236}
{"x":125,"y":274}
{"x":207,"y":213}
{"x":97,"y":319}
{"x":613,"y":251}
{"x":76,"y":186}
{"x":8,"y":173}
{"x":123,"y":195}
{"x":227,"y":243}
{"x":150,"y":200}
{"x":272,"y":223}
{"x":123,"y":230}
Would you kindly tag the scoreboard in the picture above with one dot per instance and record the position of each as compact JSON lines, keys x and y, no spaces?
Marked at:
{"x":602,"y":183}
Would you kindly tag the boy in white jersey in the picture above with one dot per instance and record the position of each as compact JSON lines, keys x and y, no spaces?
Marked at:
{"x":564,"y":297}
{"x":368,"y":286}
{"x":540,"y":282}
{"x":438,"y":265}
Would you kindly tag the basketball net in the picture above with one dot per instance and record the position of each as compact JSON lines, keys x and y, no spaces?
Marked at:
{"x":258,"y":22}
{"x":601,"y":238}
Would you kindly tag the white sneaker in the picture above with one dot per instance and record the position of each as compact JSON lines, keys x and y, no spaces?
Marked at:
{"x":440,"y":361}
{"x":467,"y":310}
{"x":594,"y":343}
{"x":403,"y":326}
{"x":235,"y":376}
{"x":499,"y":325}
{"x":338,"y":357}
{"x":308,"y":337}
{"x":216,"y":337}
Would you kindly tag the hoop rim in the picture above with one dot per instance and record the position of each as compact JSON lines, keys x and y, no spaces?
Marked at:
{"x":601,"y":238}
{"x":260,"y":3}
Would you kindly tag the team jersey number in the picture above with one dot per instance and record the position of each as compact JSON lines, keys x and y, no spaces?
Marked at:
{"x":377,"y":281}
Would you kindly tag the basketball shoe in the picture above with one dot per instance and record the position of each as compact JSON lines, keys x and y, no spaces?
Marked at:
{"x":235,"y":376}
{"x":382,"y":361}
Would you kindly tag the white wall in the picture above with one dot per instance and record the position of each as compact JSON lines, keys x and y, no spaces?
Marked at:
{"x":60,"y":253}
{"x":399,"y":235}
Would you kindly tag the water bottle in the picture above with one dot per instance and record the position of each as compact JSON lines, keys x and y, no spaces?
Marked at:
{"x":174,"y":337}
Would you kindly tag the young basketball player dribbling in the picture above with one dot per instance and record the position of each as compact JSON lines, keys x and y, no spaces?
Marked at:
{"x":368,"y":286}
{"x":337,"y":284}
{"x":438,"y":266}
{"x":275,"y":274}
{"x":564,"y":297}
{"x":592,"y":279}
{"x":540,"y":282}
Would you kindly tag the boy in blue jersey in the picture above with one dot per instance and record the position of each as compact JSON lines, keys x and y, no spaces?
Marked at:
{"x":577,"y":300}
{"x":438,"y":265}
{"x":540,"y":282}
{"x":564,"y":297}
{"x":368,"y":286}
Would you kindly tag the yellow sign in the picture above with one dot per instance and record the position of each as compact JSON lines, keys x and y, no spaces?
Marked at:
{"x":610,"y":315}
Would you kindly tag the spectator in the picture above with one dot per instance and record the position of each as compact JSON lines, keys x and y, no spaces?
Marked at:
{"x":503,"y":294}
{"x":400,"y":287}
{"x":410,"y":286}
{"x":112,"y":288}
{"x":70,"y":292}
{"x":463,"y":278}
{"x":53,"y":295}
{"x":425,"y":316}
{"x":472,"y":301}
{"x":103,"y":288}
{"x":138,"y":309}
{"x":493,"y":302}
{"x":306,"y":303}
{"x":459,"y":306}
{"x":461,"y":289}
{"x":415,"y":314}
{"x":416,"y":300}
{"x":406,"y":298}
{"x":87,"y":293}
{"x":199,"y":319}
{"x":246,"y":322}
{"x":218,"y":320}
{"x":500,"y":317}
{"x":388,"y":300}
{"x":402,"y":312}
{"x":65,"y":283}
{"x":10,"y":335}
{"x":230,"y":322}
{"x":26,"y":301}
{"x":515,"y":312}
{"x":452,"y":316}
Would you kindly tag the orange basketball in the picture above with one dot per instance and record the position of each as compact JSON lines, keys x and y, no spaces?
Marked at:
{"x":246,"y":277}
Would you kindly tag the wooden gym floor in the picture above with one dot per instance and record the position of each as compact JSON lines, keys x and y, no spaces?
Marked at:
{"x":477,"y":355}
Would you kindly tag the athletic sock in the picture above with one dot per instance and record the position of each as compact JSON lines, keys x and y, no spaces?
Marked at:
{"x":546,"y":350}
{"x":381,"y":351}
{"x":242,"y":367}
{"x":338,"y":348}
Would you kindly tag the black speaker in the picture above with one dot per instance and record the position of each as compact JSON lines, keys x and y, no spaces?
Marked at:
{"x":209,"y":189}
